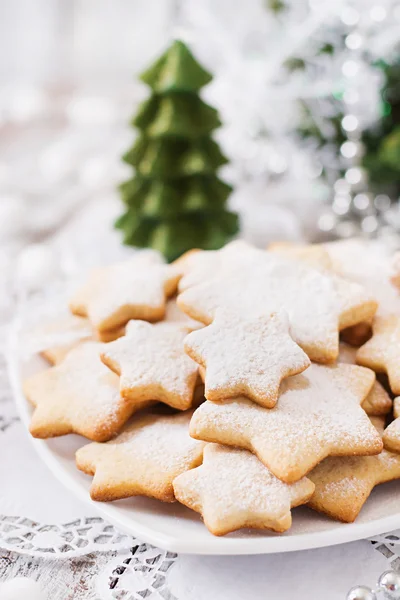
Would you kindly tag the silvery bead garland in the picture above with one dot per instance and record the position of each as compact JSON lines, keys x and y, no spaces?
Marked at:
{"x":388,"y":589}
{"x":361,"y":592}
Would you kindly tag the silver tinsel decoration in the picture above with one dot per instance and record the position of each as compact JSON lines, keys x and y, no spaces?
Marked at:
{"x":355,"y":211}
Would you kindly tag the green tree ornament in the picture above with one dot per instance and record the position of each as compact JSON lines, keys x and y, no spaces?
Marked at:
{"x":175,"y":201}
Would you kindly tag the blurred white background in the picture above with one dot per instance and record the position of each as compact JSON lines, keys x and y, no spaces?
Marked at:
{"x":69,"y":42}
{"x":68,"y":87}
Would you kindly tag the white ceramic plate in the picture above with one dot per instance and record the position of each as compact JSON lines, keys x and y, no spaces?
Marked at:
{"x":176,"y":528}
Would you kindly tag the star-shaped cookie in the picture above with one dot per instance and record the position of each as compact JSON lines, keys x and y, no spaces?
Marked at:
{"x":370,"y":263}
{"x":135,"y":289}
{"x":313,"y":254}
{"x":378,"y":402}
{"x":173,"y":314}
{"x":391,"y":436}
{"x":246,"y":356}
{"x":382,"y":352}
{"x":56,"y":337}
{"x":152,"y":364}
{"x":318,"y":303}
{"x":143,"y":460}
{"x":318,"y":415}
{"x":232,"y":489}
{"x":80,"y":395}
{"x":69,"y":332}
{"x":197,"y":266}
{"x":343,"y":484}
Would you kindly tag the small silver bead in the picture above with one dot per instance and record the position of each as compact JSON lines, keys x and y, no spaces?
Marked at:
{"x":389,"y":581}
{"x":361,"y":592}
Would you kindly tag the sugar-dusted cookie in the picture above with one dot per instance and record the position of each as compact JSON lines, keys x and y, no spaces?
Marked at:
{"x":395,"y":269}
{"x":378,"y":402}
{"x":173,"y":314}
{"x":343,"y":484}
{"x":318,"y":303}
{"x":246,"y":356}
{"x":391,"y":436}
{"x":318,"y":415}
{"x":152,"y":364}
{"x":56,"y":337}
{"x":111,"y":334}
{"x":134,"y":289}
{"x":313,"y":254}
{"x":232,"y":489}
{"x":198,"y":266}
{"x":143,"y":460}
{"x":370,"y":263}
{"x":382,"y":352}
{"x":80,"y":395}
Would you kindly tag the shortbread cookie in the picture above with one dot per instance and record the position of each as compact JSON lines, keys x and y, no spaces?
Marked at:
{"x":232,"y":489}
{"x":135,"y":289}
{"x":55,"y":338}
{"x":318,"y":415}
{"x":198,"y":266}
{"x":378,"y":401}
{"x":80,"y":395}
{"x":313,"y":254}
{"x":395,"y":269}
{"x":246,"y":356}
{"x":110,"y":335}
{"x":343,"y":484}
{"x":174,"y":314}
{"x":143,"y":460}
{"x":382,"y":352}
{"x":55,"y":354}
{"x":370,"y":263}
{"x":317,"y":303}
{"x":152,"y":364}
{"x":391,"y":436}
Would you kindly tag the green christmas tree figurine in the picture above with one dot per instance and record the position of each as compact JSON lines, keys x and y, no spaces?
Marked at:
{"x":175,"y":201}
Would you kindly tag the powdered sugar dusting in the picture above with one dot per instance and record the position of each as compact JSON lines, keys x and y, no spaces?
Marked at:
{"x":89,"y":384}
{"x":369,"y":263}
{"x":144,"y":459}
{"x":245,"y":356}
{"x":81,"y":391}
{"x":235,"y":489}
{"x":266,"y":283}
{"x":382,"y":352}
{"x":391,"y":435}
{"x":173,"y":314}
{"x":152,"y":357}
{"x":342,"y":484}
{"x":132,"y":289}
{"x":57,"y":333}
{"x":347,"y":354}
{"x":203,"y":265}
{"x":160,"y":439}
{"x":378,"y":401}
{"x":318,"y":414}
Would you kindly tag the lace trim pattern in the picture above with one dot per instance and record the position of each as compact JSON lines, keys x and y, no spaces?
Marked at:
{"x":69,"y":540}
{"x":388,"y":544}
{"x":140,"y":574}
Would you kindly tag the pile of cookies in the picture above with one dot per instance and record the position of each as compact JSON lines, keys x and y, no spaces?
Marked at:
{"x":220,"y":381}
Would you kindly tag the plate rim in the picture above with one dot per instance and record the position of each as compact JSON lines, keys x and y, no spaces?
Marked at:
{"x":227,"y":546}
